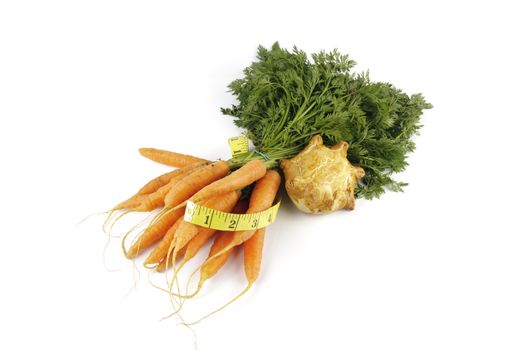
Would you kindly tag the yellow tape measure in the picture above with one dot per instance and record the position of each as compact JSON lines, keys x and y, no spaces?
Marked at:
{"x":219,"y":220}
{"x":238,"y":145}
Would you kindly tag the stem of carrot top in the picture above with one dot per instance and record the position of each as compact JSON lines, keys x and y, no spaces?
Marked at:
{"x":239,"y":161}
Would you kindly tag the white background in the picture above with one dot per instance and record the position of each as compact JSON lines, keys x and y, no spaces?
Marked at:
{"x":83,"y":84}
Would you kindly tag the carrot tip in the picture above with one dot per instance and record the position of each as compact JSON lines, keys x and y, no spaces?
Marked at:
{"x":150,"y":265}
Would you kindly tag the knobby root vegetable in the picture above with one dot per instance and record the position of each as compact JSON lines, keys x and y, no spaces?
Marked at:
{"x":321,"y":179}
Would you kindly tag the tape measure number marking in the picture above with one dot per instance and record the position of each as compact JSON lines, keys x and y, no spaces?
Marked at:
{"x":219,"y":220}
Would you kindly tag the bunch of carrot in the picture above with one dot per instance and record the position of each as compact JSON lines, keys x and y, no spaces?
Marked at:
{"x":175,"y":241}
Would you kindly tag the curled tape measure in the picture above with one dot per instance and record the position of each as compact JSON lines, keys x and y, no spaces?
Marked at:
{"x":238,"y":145}
{"x":219,"y":220}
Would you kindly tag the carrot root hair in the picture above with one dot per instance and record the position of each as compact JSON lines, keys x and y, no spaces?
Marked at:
{"x":123,"y":242}
{"x":155,"y":285}
{"x":115,"y":221}
{"x":166,"y":211}
{"x":246,"y":289}
{"x":153,"y":266}
{"x":91,"y":215}
{"x":107,"y":220}
{"x":174,"y":280}
{"x":224,"y":250}
{"x":104,"y":254}
{"x":199,"y":286}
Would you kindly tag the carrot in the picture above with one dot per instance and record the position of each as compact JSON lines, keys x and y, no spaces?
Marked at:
{"x":253,"y":256}
{"x":154,"y":233}
{"x":143,"y":203}
{"x":169,"y":158}
{"x":167,"y":263}
{"x":155,"y":199}
{"x":262,"y":197}
{"x":163,"y":179}
{"x":186,"y":231}
{"x":131,"y":202}
{"x":148,"y":201}
{"x":159,"y":187}
{"x":212,"y":265}
{"x":242,"y":177}
{"x":222,"y":238}
{"x":161,"y":249}
{"x":192,"y":183}
{"x":193,"y":246}
{"x":160,"y":181}
{"x":153,"y":185}
{"x":204,"y":234}
{"x":252,"y":265}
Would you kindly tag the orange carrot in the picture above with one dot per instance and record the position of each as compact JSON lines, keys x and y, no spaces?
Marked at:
{"x":212,"y":265}
{"x":192,"y":183}
{"x":262,"y":197}
{"x":169,"y":158}
{"x":161,"y":249}
{"x":154,"y":232}
{"x":204,"y":234}
{"x":154,"y":200}
{"x":253,"y":249}
{"x":163,"y":179}
{"x":159,"y":181}
{"x":149,"y":201}
{"x":131,"y":202}
{"x":166,"y":263}
{"x":186,"y":231}
{"x":152,"y":195}
{"x":252,"y":265}
{"x":242,"y":177}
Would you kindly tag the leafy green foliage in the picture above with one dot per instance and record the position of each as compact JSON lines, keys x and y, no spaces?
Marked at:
{"x":284,"y":99}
